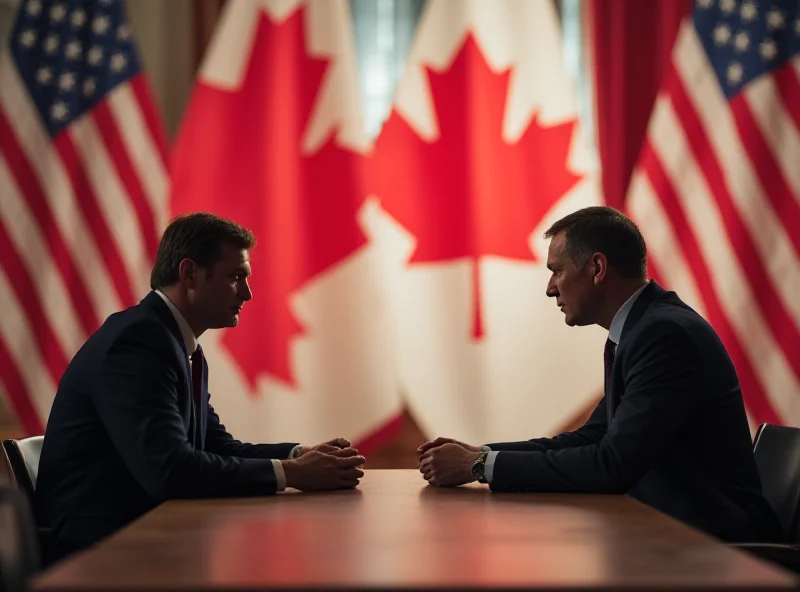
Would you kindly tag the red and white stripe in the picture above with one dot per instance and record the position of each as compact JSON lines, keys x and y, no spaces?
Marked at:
{"x":717,"y":195}
{"x":80,"y":217}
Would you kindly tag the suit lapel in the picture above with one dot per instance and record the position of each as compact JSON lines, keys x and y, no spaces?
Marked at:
{"x":155,"y":304}
{"x":609,"y":392}
{"x":651,"y":292}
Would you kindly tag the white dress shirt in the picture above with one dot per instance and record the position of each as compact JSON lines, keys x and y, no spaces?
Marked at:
{"x":614,"y":334}
{"x":190,"y":341}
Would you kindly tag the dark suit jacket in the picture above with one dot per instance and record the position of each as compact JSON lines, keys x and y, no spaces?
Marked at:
{"x":671,"y":430}
{"x":121,"y":436}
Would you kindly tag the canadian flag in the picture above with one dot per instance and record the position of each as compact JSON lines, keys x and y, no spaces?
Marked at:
{"x":273,"y":139}
{"x":481,"y":152}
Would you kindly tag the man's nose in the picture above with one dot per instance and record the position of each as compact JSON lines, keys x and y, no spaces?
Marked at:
{"x":246,"y":293}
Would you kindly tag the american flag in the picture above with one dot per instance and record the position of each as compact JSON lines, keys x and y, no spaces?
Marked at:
{"x":83,"y":188}
{"x":717,"y":189}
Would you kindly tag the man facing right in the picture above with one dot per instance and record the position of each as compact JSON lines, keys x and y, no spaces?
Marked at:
{"x":671,"y":429}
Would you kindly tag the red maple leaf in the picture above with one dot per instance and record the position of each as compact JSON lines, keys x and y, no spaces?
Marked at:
{"x":468,"y":193}
{"x":240,"y":155}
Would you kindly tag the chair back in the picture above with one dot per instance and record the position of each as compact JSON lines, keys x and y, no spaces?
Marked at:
{"x":7,"y":477}
{"x":19,"y":552}
{"x":777,"y":453}
{"x":23,"y":458}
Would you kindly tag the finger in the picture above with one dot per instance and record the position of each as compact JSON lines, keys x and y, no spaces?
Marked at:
{"x":427,"y":446}
{"x":350,"y":474}
{"x":347,"y":483}
{"x":350,"y":462}
{"x":435,"y":444}
{"x":433,"y":452}
{"x":432,"y":444}
{"x":344,"y":452}
{"x":339,"y":442}
{"x":327,"y":449}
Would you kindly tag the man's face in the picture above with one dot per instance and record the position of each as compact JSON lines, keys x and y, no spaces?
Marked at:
{"x":574,"y":289}
{"x":221,"y":291}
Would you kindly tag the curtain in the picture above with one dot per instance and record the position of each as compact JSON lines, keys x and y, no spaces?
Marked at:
{"x":631,"y":42}
{"x":384,"y":31}
{"x":206,"y":13}
{"x":163,"y":38}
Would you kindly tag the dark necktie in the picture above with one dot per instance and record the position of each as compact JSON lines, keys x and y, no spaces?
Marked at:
{"x":197,"y":377}
{"x":608,"y":359}
{"x":198,"y":364}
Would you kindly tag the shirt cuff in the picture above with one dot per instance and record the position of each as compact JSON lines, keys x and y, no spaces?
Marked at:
{"x":280,"y":476}
{"x":488,"y":469}
{"x":295,"y":451}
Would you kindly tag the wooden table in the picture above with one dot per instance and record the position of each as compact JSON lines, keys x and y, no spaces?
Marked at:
{"x":395,"y":531}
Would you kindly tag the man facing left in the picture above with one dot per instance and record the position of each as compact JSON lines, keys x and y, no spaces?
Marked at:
{"x":131,"y":424}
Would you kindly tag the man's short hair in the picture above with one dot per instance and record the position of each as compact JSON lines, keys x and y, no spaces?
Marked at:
{"x":198,"y":237}
{"x":601,"y":229}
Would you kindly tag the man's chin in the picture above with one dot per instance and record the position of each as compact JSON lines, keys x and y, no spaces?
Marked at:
{"x":575,"y":322}
{"x":227,"y":323}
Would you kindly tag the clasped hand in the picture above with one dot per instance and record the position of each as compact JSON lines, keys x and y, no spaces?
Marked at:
{"x":335,"y":464}
{"x":328,"y":447}
{"x":446,"y":462}
{"x":331,"y":465}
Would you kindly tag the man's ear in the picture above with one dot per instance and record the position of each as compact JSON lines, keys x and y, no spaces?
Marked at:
{"x":599,"y":264}
{"x":187,"y":271}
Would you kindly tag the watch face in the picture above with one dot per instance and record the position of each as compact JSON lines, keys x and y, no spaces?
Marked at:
{"x":478,"y":468}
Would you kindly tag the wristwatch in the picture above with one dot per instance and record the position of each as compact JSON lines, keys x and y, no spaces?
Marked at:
{"x":478,"y":468}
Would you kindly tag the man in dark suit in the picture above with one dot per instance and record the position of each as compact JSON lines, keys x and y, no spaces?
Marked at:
{"x":671,"y":429}
{"x":131,"y":424}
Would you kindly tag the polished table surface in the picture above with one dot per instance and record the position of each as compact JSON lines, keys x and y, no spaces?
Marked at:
{"x":395,"y":531}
